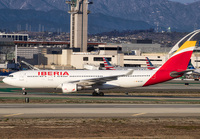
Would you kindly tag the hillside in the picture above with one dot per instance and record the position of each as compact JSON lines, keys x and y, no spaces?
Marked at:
{"x":106,"y":15}
{"x":31,"y":20}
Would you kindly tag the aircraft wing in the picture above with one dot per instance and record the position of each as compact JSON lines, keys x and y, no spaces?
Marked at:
{"x":101,"y":80}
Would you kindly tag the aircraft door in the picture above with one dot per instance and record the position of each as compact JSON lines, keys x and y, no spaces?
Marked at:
{"x":21,"y":77}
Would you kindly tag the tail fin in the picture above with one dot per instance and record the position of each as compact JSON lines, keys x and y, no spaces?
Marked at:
{"x":107,"y":64}
{"x":150,"y":66}
{"x":177,"y":63}
{"x":190,"y":66}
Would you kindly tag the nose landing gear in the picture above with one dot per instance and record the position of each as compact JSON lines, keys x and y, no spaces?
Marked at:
{"x":24,"y":91}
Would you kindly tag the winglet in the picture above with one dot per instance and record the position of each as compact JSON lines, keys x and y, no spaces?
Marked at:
{"x":129,"y":73}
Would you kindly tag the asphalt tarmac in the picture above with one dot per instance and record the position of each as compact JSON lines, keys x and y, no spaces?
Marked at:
{"x":170,"y":90}
{"x":98,"y":110}
{"x":104,"y":110}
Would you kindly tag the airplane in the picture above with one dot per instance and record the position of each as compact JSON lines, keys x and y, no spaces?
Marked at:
{"x":190,"y":66}
{"x":194,"y":70}
{"x":109,"y":66}
{"x":150,"y":66}
{"x":74,"y":80}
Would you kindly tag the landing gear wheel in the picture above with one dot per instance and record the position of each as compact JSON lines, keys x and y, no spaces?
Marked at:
{"x":97,"y":92}
{"x":24,"y":93}
{"x":94,"y":93}
{"x":101,"y":94}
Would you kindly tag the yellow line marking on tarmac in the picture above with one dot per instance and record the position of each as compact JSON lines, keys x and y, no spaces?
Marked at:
{"x":138,"y":114}
{"x":13,"y":115}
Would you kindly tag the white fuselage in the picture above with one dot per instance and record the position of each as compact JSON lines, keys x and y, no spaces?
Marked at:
{"x":54,"y":78}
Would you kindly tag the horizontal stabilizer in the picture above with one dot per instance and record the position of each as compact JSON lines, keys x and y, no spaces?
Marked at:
{"x":175,"y":74}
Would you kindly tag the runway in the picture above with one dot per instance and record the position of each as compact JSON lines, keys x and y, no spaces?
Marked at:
{"x":98,"y":110}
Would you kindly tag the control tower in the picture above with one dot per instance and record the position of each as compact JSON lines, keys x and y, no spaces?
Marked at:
{"x":79,"y":23}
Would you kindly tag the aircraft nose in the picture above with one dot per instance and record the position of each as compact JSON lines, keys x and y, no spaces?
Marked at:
{"x":5,"y":80}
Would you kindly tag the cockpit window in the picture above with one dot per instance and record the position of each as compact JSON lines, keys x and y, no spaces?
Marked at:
{"x":10,"y":76}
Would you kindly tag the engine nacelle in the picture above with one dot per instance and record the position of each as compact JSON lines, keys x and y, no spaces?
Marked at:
{"x":69,"y":88}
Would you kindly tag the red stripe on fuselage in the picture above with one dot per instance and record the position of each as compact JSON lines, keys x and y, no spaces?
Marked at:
{"x":177,"y":63}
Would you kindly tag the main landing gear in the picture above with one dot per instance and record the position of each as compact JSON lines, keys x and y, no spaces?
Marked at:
{"x":97,"y":92}
{"x":24,"y":91}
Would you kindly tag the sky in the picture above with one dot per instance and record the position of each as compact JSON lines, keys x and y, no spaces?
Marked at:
{"x":185,"y":1}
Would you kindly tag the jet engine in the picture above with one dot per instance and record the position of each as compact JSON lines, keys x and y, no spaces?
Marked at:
{"x":70,"y":87}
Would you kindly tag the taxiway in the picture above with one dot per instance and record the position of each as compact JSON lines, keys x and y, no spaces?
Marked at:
{"x":185,"y":96}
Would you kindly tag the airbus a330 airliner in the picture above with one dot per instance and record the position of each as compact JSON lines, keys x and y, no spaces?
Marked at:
{"x":74,"y":80}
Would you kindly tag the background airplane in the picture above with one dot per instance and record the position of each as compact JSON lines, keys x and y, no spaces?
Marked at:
{"x":194,"y":72}
{"x":109,"y":66}
{"x":150,"y":66}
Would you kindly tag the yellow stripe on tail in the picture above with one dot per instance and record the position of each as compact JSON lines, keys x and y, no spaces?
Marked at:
{"x":187,"y":44}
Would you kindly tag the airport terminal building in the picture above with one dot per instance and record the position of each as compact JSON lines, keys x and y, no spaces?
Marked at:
{"x":78,"y":53}
{"x":59,"y":55}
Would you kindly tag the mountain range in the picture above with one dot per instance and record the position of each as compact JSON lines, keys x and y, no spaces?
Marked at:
{"x":106,"y":15}
{"x":185,"y":1}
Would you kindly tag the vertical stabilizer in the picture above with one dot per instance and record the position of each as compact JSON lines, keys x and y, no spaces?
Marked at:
{"x":107,"y":64}
{"x":177,"y":63}
{"x":150,"y":66}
